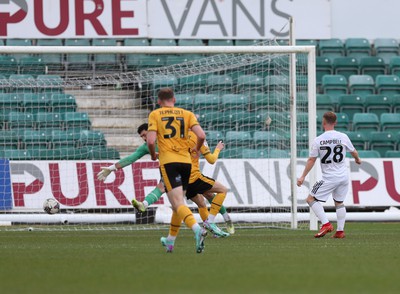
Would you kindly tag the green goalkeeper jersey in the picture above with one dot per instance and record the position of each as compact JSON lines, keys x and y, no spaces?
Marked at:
{"x":139,"y":153}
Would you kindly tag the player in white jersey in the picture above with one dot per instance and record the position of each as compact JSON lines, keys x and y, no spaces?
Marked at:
{"x":331,"y":147}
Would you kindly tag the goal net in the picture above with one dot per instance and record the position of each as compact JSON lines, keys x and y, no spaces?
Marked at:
{"x":68,"y":111}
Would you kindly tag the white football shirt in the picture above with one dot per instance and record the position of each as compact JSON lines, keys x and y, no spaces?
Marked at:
{"x":331,"y":147}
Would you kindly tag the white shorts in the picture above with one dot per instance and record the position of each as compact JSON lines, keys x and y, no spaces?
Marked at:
{"x":322,"y":189}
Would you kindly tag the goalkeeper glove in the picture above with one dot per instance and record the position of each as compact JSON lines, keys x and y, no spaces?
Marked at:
{"x":105,"y":171}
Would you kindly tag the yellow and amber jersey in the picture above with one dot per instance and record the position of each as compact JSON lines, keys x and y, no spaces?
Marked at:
{"x":172,"y":125}
{"x":205,"y":150}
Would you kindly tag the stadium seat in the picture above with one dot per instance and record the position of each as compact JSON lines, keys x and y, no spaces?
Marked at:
{"x":387,"y":84}
{"x":357,"y":47}
{"x":331,"y":48}
{"x":4,"y":87}
{"x":9,"y":139}
{"x":325,"y":103}
{"x":277,"y":82}
{"x":34,"y":102}
{"x":63,"y":103}
{"x":219,"y":84}
{"x":205,"y":102}
{"x":390,"y":122}
{"x":249,"y":84}
{"x":135,"y":61}
{"x":366,"y":122}
{"x":22,"y":83}
{"x":369,"y":154}
{"x":36,"y":139}
{"x":71,"y":153}
{"x":394,"y":66}
{"x":342,"y":122}
{"x":234,"y":101}
{"x":334,"y":86}
{"x":213,"y":137}
{"x":180,"y":59}
{"x":54,"y":61}
{"x":264,"y":139}
{"x":238,"y":138}
{"x":15,"y":154}
{"x":78,"y":61}
{"x":396,"y":104}
{"x":8,"y":65}
{"x":359,"y":139}
{"x":105,"y":153}
{"x":48,"y":120}
{"x":273,"y":101}
{"x":136,"y":42}
{"x":32,"y":65}
{"x":361,"y":85}
{"x":193,"y":83}
{"x":163,"y":42}
{"x":279,"y":153}
{"x":323,"y":67}
{"x":162,"y":81}
{"x":222,"y":121}
{"x":351,"y":104}
{"x":248,"y":121}
{"x":45,"y":154}
{"x":382,"y":142}
{"x":190,"y":42}
{"x":392,"y":154}
{"x":50,"y":83}
{"x":345,"y":66}
{"x":19,"y":120}
{"x":92,"y":138}
{"x":64,"y":139}
{"x":253,"y":42}
{"x":372,"y":66}
{"x":184,"y":100}
{"x":105,"y":62}
{"x":10,"y":102}
{"x":255,"y":153}
{"x":225,"y":42}
{"x":386,"y":48}
{"x":211,"y":119}
{"x":378,"y":104}
{"x":19,"y":42}
{"x":76,"y":120}
{"x":231,"y":152}
{"x":304,"y":153}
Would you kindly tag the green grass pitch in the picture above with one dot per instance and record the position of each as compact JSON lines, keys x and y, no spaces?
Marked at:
{"x":251,"y":261}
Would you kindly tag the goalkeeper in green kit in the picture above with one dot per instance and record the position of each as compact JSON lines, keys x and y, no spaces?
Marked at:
{"x":154,"y":195}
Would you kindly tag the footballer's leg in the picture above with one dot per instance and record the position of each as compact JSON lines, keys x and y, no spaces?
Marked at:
{"x":229,"y":225}
{"x":341,"y":218}
{"x":150,"y":198}
{"x":203,"y":210}
{"x":319,"y":211}
{"x":175,"y":225}
{"x":216,"y":205}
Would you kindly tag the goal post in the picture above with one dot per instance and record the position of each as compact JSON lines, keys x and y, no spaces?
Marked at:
{"x":62,"y":124}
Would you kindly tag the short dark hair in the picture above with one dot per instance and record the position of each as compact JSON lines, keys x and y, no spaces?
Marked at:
{"x":330,"y":117}
{"x":142,"y":127}
{"x":165,"y":94}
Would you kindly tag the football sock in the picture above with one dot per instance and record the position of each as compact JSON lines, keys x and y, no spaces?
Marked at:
{"x":341,"y":217}
{"x":203,"y":211}
{"x":319,"y":211}
{"x":222,"y":210}
{"x":187,"y":216}
{"x":217,"y":203}
{"x":226,"y":216}
{"x":174,"y":226}
{"x":152,"y":197}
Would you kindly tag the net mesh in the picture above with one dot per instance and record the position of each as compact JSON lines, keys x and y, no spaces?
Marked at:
{"x":60,"y":123}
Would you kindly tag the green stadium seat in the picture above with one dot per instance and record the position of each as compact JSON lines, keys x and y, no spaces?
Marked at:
{"x":369,"y":154}
{"x":19,"y":42}
{"x":342,"y":122}
{"x":387,"y":84}
{"x":277,"y":82}
{"x":50,"y":83}
{"x":136,"y":42}
{"x":358,"y":47}
{"x":105,"y":62}
{"x":351,"y":104}
{"x":225,"y":42}
{"x":219,"y":84}
{"x":277,"y":121}
{"x":238,"y":138}
{"x":34,"y":102}
{"x":68,"y":138}
{"x":10,"y":102}
{"x":163,"y":42}
{"x":359,"y":139}
{"x":323,"y":67}
{"x":70,"y":153}
{"x":248,"y":121}
{"x":9,"y":139}
{"x":48,"y":120}
{"x":325,"y":103}
{"x":261,"y":101}
{"x":378,"y":104}
{"x":366,"y":122}
{"x":396,"y":103}
{"x":190,"y":42}
{"x":382,"y":142}
{"x":105,"y":153}
{"x":163,"y":81}
{"x":392,"y":154}
{"x":304,"y":153}
{"x":386,"y":48}
{"x":76,"y":120}
{"x":15,"y":154}
{"x":22,"y":83}
{"x":334,"y":86}
{"x":271,"y":139}
{"x":394,"y":66}
{"x":179,"y":59}
{"x":223,"y":121}
{"x":36,"y":139}
{"x":231,"y":152}
{"x":345,"y":66}
{"x":184,"y":100}
{"x":372,"y":66}
{"x":18,"y":120}
{"x":92,"y":138}
{"x":62,"y":103}
{"x":361,"y":85}
{"x":32,"y":65}
{"x":78,"y":61}
{"x":213,"y":137}
{"x":210,"y":119}
{"x":255,"y":153}
{"x":249,"y":84}
{"x":193,"y":83}
{"x":390,"y":121}
{"x":234,"y":101}
{"x":247,"y":42}
{"x":206,"y":102}
{"x":8,"y":65}
{"x":54,"y":61}
{"x":279,"y":153}
{"x":146,"y":61}
{"x":45,"y":154}
{"x":331,"y":48}
{"x":4,"y":86}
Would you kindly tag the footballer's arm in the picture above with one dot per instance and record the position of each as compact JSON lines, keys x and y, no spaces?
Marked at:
{"x":151,"y":144}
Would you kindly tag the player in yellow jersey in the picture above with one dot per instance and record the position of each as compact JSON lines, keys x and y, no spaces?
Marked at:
{"x":169,"y":126}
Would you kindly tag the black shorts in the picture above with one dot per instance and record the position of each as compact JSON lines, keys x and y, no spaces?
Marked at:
{"x":175,"y":174}
{"x":200,"y":186}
